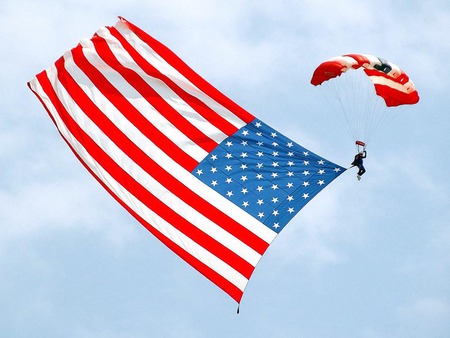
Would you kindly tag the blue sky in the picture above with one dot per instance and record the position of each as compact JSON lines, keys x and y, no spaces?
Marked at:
{"x":364,"y":259}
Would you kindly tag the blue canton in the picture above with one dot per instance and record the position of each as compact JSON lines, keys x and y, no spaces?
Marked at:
{"x":266,"y":174}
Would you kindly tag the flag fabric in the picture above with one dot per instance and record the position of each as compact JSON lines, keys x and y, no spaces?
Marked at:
{"x":208,"y":179}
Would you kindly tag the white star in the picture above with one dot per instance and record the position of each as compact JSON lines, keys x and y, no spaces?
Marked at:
{"x":260,"y":165}
{"x":244,"y":155}
{"x":337,"y":170}
{"x":229,"y":180}
{"x":244,"y":191}
{"x":290,"y":210}
{"x":321,"y":172}
{"x":290,"y":185}
{"x":260,"y":214}
{"x":305,"y":196}
{"x":258,"y":124}
{"x":228,"y":168}
{"x":290,"y":144}
{"x":260,"y":143}
{"x":274,"y":186}
{"x":229,"y":144}
{"x":275,"y":164}
{"x":245,"y":132}
{"x":243,"y":166}
{"x":259,"y":134}
{"x":321,"y":162}
{"x":199,"y":172}
{"x":213,"y":170}
{"x":290,"y":154}
{"x":321,"y":182}
{"x":228,"y":156}
{"x":275,"y":144}
{"x":306,"y":173}
{"x":275,"y":200}
{"x":244,"y":143}
{"x":306,"y":153}
{"x":275,"y":213}
{"x":273,"y":134}
{"x":260,"y":188}
{"x":214,"y":183}
{"x":274,"y":175}
{"x":305,"y":183}
{"x":276,"y":225}
{"x":229,"y":193}
{"x":244,"y":178}
{"x":275,"y":153}
{"x":290,"y":198}
{"x":260,"y":202}
{"x":245,"y":204}
{"x":259,"y":153}
{"x":213,"y":157}
{"x":290,"y":173}
{"x":259,"y":176}
{"x":305,"y":162}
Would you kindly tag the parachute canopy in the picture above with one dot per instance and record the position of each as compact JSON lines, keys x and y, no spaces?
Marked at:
{"x":365,"y":88}
{"x":390,"y":82}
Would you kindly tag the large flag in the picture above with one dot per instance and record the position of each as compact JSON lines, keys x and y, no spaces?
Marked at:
{"x":208,"y":179}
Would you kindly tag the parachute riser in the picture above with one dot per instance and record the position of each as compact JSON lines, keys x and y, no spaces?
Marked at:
{"x":360,"y":146}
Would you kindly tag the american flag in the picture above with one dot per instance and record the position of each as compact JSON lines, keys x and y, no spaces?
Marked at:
{"x":208,"y":179}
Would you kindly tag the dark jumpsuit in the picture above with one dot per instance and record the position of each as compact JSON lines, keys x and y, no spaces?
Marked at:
{"x":358,"y":161}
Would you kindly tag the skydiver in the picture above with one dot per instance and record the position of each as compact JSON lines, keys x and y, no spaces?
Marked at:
{"x":358,"y":162}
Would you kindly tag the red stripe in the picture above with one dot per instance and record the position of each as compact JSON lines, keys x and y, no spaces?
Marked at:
{"x":376,"y":72}
{"x":392,"y":96}
{"x":150,"y":166}
{"x":199,"y":106}
{"x":402,"y":78}
{"x":147,"y":92}
{"x":228,"y":287}
{"x":209,"y":273}
{"x":395,"y":97}
{"x":131,"y":113}
{"x":188,"y":73}
{"x":326,"y":71}
{"x":147,"y":164}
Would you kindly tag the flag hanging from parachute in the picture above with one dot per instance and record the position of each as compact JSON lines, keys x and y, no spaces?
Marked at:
{"x":208,"y":179}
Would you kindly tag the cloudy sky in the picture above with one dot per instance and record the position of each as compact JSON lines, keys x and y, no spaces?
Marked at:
{"x":364,"y":259}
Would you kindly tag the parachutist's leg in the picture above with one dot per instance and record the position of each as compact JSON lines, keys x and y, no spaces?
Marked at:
{"x":361,"y":171}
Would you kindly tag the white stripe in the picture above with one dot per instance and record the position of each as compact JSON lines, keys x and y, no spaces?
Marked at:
{"x":185,"y":110}
{"x":158,"y":62}
{"x":155,"y":220}
{"x":373,"y":60}
{"x":147,"y":181}
{"x":174,"y":169}
{"x":390,"y":83}
{"x":348,"y":61}
{"x":140,"y":103}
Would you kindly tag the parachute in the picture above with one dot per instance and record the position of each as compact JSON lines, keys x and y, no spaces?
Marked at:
{"x":367,"y":95}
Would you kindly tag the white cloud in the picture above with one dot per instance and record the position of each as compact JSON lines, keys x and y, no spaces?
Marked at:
{"x":55,"y":206}
{"x":424,"y":317}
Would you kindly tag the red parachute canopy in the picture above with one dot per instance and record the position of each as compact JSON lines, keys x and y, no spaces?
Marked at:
{"x":390,"y":82}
